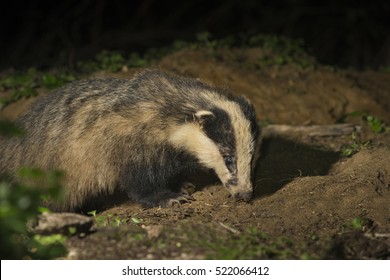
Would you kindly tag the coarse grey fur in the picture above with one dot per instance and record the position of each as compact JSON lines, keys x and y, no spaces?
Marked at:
{"x":141,"y":136}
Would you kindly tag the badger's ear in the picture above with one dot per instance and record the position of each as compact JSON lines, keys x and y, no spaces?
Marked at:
{"x":202,"y":116}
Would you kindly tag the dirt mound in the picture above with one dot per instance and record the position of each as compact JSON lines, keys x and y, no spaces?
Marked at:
{"x":294,"y":196}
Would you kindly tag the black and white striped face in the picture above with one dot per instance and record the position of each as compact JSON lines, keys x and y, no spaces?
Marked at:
{"x":224,"y":138}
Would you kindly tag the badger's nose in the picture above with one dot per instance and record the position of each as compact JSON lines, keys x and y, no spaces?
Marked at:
{"x":245,"y":196}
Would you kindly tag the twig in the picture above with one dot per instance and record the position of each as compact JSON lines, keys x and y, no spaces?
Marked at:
{"x":229,"y":228}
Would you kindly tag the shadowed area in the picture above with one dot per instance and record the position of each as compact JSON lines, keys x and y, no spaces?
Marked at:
{"x":283,"y":159}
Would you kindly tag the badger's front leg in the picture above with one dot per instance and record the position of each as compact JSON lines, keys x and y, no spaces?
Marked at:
{"x":151,"y":193}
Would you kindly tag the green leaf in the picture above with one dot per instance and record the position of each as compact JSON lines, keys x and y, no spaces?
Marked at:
{"x":92,"y":213}
{"x":136,"y":220}
{"x":72,"y":230}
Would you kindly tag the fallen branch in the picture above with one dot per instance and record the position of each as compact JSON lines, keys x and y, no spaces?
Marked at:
{"x":62,"y":223}
{"x":311,"y":130}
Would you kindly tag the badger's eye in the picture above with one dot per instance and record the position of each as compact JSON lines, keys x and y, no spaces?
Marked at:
{"x":229,"y":160}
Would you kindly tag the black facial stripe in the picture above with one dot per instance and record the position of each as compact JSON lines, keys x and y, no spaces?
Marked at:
{"x":221,"y":131}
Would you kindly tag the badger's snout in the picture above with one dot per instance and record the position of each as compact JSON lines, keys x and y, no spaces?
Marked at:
{"x":238,"y":191}
{"x":244,"y":195}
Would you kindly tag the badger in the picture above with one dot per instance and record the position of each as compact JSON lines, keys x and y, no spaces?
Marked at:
{"x":141,"y":136}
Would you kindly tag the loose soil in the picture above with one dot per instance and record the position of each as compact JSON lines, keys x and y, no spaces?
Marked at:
{"x":310,"y":201}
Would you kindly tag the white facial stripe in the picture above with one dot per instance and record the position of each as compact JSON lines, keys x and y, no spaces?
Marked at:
{"x":191,"y":137}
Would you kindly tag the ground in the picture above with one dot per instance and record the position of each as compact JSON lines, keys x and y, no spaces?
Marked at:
{"x":324,"y":197}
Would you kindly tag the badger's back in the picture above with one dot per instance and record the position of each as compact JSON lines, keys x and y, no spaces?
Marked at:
{"x":105,"y":133}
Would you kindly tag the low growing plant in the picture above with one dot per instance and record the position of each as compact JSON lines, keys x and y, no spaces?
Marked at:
{"x":20,"y":204}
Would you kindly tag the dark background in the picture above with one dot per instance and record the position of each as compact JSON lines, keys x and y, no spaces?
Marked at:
{"x":51,"y":33}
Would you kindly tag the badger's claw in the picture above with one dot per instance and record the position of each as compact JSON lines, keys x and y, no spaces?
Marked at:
{"x":188,"y":188}
{"x":182,"y":198}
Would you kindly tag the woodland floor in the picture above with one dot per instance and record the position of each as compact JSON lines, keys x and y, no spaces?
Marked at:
{"x":310,"y":200}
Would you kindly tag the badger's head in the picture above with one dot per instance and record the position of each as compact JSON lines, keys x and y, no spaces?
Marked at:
{"x":224,"y":138}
